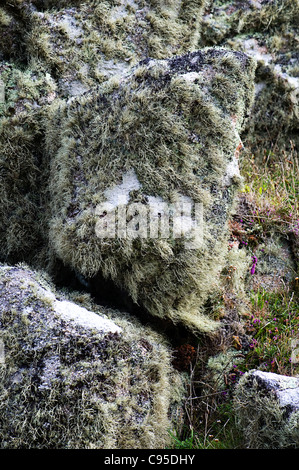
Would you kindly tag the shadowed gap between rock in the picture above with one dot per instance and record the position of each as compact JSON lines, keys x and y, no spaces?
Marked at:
{"x":105,"y":293}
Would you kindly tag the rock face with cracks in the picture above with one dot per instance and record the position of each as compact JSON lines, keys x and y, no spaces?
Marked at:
{"x":160,"y":145}
{"x":72,"y":377}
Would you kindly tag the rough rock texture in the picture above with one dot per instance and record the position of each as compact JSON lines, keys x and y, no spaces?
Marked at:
{"x":267,"y":410}
{"x":165,"y":131}
{"x":72,"y":377}
{"x":169,"y":128}
{"x":275,"y":266}
{"x":57,"y":49}
{"x":23,"y":169}
{"x":268,"y":31}
{"x":165,"y":134}
{"x":84,"y":43}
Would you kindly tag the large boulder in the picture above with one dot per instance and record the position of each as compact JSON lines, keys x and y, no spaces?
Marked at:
{"x":161,"y":143}
{"x":267,"y":410}
{"x":75,"y":376}
{"x":168,"y":128}
{"x":58,"y":49}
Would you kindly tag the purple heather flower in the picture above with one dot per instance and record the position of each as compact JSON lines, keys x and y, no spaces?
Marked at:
{"x":254,"y":258}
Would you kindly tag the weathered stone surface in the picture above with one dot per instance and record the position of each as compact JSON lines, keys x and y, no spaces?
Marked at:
{"x":84,"y":43}
{"x":165,"y":134}
{"x":268,"y":31}
{"x":79,"y":377}
{"x":267,"y":410}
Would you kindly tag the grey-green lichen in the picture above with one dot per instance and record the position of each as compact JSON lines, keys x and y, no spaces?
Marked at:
{"x":64,"y":385}
{"x":220,"y":366}
{"x":23,"y":169}
{"x":175,"y":123}
{"x":84,"y":43}
{"x":267,"y":30}
{"x":265,"y":421}
{"x":276,"y":264}
{"x":52,"y":50}
{"x":173,"y":127}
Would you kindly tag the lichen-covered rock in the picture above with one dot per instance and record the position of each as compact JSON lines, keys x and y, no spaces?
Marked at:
{"x":53,"y":50}
{"x":23,"y":169}
{"x":267,"y":30}
{"x":267,"y":410}
{"x":275,"y":266}
{"x":165,"y":134}
{"x":84,"y":43}
{"x":72,"y":377}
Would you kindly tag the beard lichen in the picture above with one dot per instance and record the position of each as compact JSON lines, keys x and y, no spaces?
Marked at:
{"x":172,"y":125}
{"x":175,"y":123}
{"x":83,"y":44}
{"x":64,"y":385}
{"x":264,"y":420}
{"x":268,"y":32}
